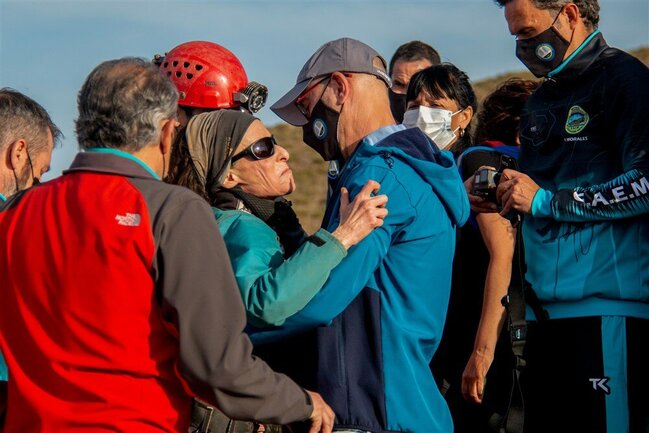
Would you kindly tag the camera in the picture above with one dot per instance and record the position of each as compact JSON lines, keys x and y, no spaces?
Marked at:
{"x":486,"y":180}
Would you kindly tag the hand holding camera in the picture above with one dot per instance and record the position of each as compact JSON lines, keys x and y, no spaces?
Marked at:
{"x":516,"y":192}
{"x":501,"y":189}
{"x":486,"y":179}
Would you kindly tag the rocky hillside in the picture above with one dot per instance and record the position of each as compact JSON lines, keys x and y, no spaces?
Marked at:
{"x":311,"y":172}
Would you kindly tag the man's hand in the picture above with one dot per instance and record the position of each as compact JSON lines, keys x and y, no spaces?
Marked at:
{"x":516,"y":191}
{"x":360,"y":217}
{"x":322,"y":417}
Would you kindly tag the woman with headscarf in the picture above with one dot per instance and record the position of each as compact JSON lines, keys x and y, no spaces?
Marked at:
{"x":232,"y":160}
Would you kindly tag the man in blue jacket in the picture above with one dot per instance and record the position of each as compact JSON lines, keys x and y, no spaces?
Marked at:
{"x":585,"y":195}
{"x":380,"y":315}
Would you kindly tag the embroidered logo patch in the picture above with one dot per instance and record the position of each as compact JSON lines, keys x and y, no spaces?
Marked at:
{"x":319,"y":129}
{"x":577,"y":120}
{"x":545,"y":52}
{"x":129,"y":220}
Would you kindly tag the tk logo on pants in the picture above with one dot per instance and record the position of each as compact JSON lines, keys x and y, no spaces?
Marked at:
{"x":600,"y":384}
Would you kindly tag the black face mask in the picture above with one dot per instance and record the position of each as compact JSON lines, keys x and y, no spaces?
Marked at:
{"x":321,"y":133}
{"x":397,"y":105}
{"x":544,"y":52}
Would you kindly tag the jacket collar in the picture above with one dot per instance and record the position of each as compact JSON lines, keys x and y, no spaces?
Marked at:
{"x":581,"y":58}
{"x":113,"y":161}
{"x":2,"y":198}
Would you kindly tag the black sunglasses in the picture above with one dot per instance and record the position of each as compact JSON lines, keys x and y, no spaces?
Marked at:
{"x":260,"y":149}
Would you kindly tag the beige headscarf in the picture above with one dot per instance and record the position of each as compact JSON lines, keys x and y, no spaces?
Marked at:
{"x":213,"y":138}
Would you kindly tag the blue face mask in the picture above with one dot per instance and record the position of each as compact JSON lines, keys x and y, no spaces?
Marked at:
{"x":544,"y":52}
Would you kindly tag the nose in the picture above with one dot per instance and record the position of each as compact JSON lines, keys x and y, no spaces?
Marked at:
{"x":282,"y":153}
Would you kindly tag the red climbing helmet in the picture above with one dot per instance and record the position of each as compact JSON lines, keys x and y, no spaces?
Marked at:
{"x":208,"y":75}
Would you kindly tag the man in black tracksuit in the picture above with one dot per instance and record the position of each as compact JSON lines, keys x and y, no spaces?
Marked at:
{"x":585,"y":195}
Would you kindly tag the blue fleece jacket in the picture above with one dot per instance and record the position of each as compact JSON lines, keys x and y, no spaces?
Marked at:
{"x":381,"y":313}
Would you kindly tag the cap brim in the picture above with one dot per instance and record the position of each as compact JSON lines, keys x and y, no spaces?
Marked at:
{"x":285,"y":107}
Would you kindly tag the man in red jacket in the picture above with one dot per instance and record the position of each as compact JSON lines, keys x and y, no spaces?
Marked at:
{"x":125,"y":305}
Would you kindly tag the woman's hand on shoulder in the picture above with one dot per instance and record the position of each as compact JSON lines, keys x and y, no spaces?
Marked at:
{"x":361,"y":216}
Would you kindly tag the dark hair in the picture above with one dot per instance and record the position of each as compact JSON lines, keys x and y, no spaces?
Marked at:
{"x":122,"y":103}
{"x":22,"y":117}
{"x":413,"y":51}
{"x":445,"y":81}
{"x":181,"y":168}
{"x":589,"y":9}
{"x":500,"y":114}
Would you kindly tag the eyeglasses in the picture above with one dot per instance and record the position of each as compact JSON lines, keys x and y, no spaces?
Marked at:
{"x":298,"y":101}
{"x":260,"y":149}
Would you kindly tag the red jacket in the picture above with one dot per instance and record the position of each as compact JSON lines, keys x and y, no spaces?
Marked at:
{"x":113,"y":282}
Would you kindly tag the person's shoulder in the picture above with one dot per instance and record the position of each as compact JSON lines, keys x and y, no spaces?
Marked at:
{"x":400,"y":150}
{"x":168,"y":194}
{"x":12,"y":201}
{"x":474,"y":157}
{"x":413,"y":143}
{"x":166,"y":200}
{"x":622,"y":65}
{"x":232,"y":216}
{"x":614,"y":56}
{"x":240,"y":222}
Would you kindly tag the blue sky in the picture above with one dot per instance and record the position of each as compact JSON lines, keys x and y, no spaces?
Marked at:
{"x":47,"y":48}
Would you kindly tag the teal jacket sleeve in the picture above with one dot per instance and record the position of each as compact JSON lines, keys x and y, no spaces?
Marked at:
{"x":354,"y":273}
{"x":625,"y":196}
{"x":272,"y":288}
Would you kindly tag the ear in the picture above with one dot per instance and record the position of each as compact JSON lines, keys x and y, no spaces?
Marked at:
{"x":465,"y":117}
{"x":341,"y":85}
{"x":231,"y":179}
{"x":17,"y":152}
{"x":572,"y":13}
{"x":167,"y":135}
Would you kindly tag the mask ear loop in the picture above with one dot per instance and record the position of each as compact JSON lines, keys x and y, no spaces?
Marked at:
{"x":557,"y":17}
{"x":458,"y":111}
{"x":459,"y":127}
{"x":35,"y":180}
{"x":572,"y":35}
{"x":15,"y":180}
{"x":462,"y":130}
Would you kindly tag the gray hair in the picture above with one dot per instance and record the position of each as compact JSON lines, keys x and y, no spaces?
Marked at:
{"x":589,"y":9}
{"x":122,"y":103}
{"x":22,"y":117}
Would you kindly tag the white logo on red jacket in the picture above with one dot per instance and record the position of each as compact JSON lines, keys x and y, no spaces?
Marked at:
{"x":129,"y":220}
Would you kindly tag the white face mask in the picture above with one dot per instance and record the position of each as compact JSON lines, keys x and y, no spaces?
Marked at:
{"x":434,"y":122}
